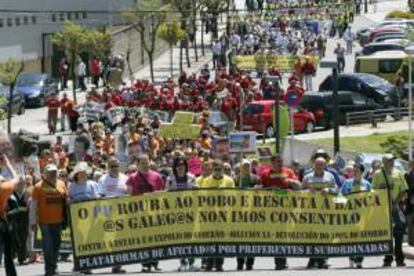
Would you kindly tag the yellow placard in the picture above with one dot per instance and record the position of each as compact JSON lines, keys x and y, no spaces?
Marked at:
{"x":261,"y":62}
{"x":184,"y":118}
{"x":179,"y":131}
{"x":203,"y":223}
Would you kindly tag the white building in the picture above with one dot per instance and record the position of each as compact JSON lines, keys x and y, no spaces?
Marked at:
{"x":26,"y":26}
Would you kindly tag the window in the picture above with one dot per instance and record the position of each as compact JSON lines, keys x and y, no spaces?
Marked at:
{"x":26,"y":20}
{"x":53,"y":17}
{"x":77,"y":17}
{"x":17,"y":21}
{"x":252,"y":109}
{"x":69,"y":16}
{"x":62,"y":16}
{"x":34,"y":20}
{"x":9,"y":22}
{"x":358,"y":99}
{"x":84,"y":15}
{"x":1,"y":22}
{"x":389,"y":66}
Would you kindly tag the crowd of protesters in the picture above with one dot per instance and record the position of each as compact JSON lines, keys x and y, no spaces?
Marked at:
{"x":117,"y":149}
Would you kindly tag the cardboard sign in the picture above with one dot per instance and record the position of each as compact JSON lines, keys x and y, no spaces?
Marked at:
{"x":179,"y":131}
{"x":184,"y":118}
{"x":244,"y":141}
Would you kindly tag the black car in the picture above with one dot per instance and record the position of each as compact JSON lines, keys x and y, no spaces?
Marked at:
{"x":371,"y":86}
{"x":35,"y":87}
{"x":322,"y":105}
{"x":372,"y":48}
{"x":17,"y":101}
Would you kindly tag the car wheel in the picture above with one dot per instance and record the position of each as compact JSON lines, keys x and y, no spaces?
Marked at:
{"x":310,"y":127}
{"x":269,"y":132}
{"x":21,"y":109}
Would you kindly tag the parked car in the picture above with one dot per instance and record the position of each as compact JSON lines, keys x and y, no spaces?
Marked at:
{"x":219,"y":122}
{"x":371,"y":86}
{"x":34,"y":88}
{"x":381,"y":32}
{"x":18,"y":105}
{"x":321,"y":104}
{"x":389,"y":36}
{"x":363,"y":34}
{"x":372,"y":48}
{"x":258,"y":116}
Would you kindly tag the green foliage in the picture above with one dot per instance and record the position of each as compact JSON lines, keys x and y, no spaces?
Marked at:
{"x":73,"y":39}
{"x":171,"y":32}
{"x":396,"y":145}
{"x":100,"y":43}
{"x":10,"y":70}
{"x":3,"y":113}
{"x":400,"y":14}
{"x":215,"y":6}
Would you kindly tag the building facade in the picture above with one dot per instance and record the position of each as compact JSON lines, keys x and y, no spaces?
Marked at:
{"x":26,"y":26}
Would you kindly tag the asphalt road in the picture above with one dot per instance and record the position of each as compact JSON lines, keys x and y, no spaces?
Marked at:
{"x":262,"y":267}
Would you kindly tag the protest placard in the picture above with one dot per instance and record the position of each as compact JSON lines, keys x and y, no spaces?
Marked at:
{"x":243,"y":141}
{"x":227,"y":223}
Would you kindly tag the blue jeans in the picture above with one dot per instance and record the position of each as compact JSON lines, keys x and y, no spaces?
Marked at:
{"x":50,"y":246}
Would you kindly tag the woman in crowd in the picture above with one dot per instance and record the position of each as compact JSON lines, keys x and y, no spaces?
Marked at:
{"x":181,"y":179}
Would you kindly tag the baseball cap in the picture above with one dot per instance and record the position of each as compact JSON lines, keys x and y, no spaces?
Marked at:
{"x":50,"y":168}
{"x":246,"y":162}
{"x":389,"y":156}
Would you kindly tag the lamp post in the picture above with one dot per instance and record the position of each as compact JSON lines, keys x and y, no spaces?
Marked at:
{"x":333,"y":64}
{"x":410,"y":51}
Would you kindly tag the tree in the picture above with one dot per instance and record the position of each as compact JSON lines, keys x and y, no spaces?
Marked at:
{"x":9,"y":71}
{"x":172,"y":33}
{"x":184,"y":7}
{"x":215,"y":7}
{"x":74,"y":39}
{"x":146,"y":18}
{"x":100,"y":43}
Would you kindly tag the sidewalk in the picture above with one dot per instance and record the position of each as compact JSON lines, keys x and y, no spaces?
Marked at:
{"x":408,"y":251}
{"x":383,"y":8}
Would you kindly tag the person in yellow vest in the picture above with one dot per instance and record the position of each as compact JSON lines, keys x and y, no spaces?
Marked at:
{"x":217,"y":180}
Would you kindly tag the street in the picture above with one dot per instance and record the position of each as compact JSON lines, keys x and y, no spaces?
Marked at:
{"x":263,"y":266}
{"x":35,"y":120}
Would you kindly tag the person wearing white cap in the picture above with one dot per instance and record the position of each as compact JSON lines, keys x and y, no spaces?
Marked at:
{"x":393,"y":179}
{"x":46,"y":209}
{"x":81,"y":188}
{"x":320,"y":180}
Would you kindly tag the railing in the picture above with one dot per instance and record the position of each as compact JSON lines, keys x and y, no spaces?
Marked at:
{"x":375,"y":116}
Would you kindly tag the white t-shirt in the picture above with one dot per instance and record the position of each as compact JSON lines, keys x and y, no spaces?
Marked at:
{"x":113,"y":187}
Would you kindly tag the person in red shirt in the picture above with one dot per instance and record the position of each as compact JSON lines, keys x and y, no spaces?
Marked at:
{"x":274,"y":72}
{"x":63,"y":111}
{"x":279,"y":177}
{"x":294,"y":87}
{"x":308,"y":71}
{"x":63,"y":72}
{"x":96,"y":70}
{"x":73,"y":115}
{"x":52,"y":112}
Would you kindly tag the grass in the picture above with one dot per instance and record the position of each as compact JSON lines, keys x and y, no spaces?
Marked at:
{"x":370,"y":143}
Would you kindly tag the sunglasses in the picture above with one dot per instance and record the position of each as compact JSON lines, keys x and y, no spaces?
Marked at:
{"x":114,"y":166}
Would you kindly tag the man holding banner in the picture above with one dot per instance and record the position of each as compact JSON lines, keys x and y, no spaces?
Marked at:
{"x":393,"y":180}
{"x":279,"y":178}
{"x":141,"y":182}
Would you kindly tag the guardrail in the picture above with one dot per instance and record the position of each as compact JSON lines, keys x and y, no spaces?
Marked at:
{"x":375,"y":116}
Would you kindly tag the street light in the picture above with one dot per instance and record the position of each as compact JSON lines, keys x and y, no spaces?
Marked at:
{"x":410,"y":51}
{"x":333,"y":64}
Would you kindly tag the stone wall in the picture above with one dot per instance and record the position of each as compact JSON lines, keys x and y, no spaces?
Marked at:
{"x":128,"y":37}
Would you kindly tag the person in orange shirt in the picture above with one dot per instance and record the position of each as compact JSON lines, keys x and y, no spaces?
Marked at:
{"x":46,"y":207}
{"x":108,"y":142}
{"x":6,"y":190}
{"x":63,"y":111}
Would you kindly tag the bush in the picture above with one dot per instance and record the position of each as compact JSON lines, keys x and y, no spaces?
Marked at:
{"x":397,"y":145}
{"x":400,"y":14}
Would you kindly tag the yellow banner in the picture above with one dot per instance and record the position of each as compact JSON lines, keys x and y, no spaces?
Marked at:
{"x":202,"y":223}
{"x":261,"y":62}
